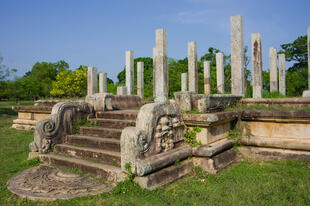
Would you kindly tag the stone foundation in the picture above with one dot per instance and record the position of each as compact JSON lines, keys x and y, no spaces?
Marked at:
{"x":278,"y":102}
{"x":205,"y":102}
{"x":29,"y":115}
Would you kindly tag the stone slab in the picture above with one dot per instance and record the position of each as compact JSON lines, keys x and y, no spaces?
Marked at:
{"x":252,"y":115}
{"x":161,"y":160}
{"x":213,"y":149}
{"x":165,"y":176}
{"x":283,"y":143}
{"x":25,"y":115}
{"x":37,"y":116}
{"x":209,"y":118}
{"x":262,"y":153}
{"x":48,"y":183}
{"x":278,"y":102}
{"x":205,"y":102}
{"x":216,"y":163}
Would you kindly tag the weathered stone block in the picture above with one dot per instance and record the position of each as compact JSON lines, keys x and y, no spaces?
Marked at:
{"x":165,"y":176}
{"x":25,"y":115}
{"x":216,"y":163}
{"x":38,"y":116}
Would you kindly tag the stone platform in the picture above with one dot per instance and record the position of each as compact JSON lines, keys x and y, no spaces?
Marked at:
{"x":48,"y":183}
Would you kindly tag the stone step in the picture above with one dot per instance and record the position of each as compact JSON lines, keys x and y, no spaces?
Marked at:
{"x":165,"y":176}
{"x":101,"y":132}
{"x":94,"y":142}
{"x":114,"y":123}
{"x":108,"y":172}
{"x":105,"y":156}
{"x":120,"y":114}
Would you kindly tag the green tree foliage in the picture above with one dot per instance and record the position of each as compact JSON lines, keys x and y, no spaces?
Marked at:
{"x":46,"y":73}
{"x":70,"y":83}
{"x":297,"y":75}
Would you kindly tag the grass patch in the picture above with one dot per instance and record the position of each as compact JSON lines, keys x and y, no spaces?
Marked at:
{"x":245,"y":183}
{"x":6,"y":106}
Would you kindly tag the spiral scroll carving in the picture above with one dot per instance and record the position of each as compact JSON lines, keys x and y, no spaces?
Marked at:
{"x":59,"y":124}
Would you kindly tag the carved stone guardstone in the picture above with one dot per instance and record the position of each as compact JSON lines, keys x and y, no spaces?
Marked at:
{"x":158,"y":133}
{"x":54,"y":129}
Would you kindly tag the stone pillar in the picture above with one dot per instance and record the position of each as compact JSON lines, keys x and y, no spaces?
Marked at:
{"x":161,"y":66}
{"x":121,"y":90}
{"x":308,"y":43}
{"x":91,"y":81}
{"x":237,"y":55}
{"x":140,"y":79}
{"x":282,"y":83}
{"x":154,"y":73}
{"x":220,"y":72}
{"x":102,"y":82}
{"x":257,"y":65}
{"x":129,"y":72}
{"x":273,"y":69}
{"x":184,"y":82}
{"x":207,"y":79}
{"x":192,"y":67}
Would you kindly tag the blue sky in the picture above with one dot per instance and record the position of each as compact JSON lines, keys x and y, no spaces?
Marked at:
{"x":97,"y":33}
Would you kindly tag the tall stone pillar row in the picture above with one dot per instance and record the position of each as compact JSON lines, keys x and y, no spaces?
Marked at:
{"x":257,"y":65}
{"x":282,"y":68}
{"x":192,"y":67}
{"x":102,"y":82}
{"x":154,"y":73}
{"x":129,"y":72}
{"x":140,"y":79}
{"x":161,"y":66}
{"x":237,"y":55}
{"x":207,"y":79}
{"x":91,"y":81}
{"x":220,"y":72}
{"x":273,"y":69}
{"x":184,"y":82}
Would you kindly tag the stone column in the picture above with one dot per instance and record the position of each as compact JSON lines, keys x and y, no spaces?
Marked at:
{"x":192,"y":67}
{"x":237,"y":55}
{"x":140,"y":79}
{"x":129,"y":72}
{"x":154,"y":73}
{"x":184,"y":82}
{"x":207,"y":79}
{"x":161,"y":66}
{"x":91,"y":81}
{"x":121,"y":90}
{"x":257,"y":65}
{"x":220,"y":72}
{"x":282,"y":83}
{"x":308,"y":43}
{"x":273,"y":69}
{"x":102,"y":82}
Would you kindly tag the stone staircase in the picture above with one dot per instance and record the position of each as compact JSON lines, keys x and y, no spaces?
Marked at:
{"x":96,"y":149}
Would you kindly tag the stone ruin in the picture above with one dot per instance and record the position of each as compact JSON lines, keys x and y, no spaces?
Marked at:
{"x":149,"y":142}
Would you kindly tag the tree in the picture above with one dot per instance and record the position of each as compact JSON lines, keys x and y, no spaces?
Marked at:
{"x":70,"y":84}
{"x":297,"y":75}
{"x":46,"y":73}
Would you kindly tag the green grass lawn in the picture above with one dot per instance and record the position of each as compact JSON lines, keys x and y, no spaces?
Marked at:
{"x":245,"y":183}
